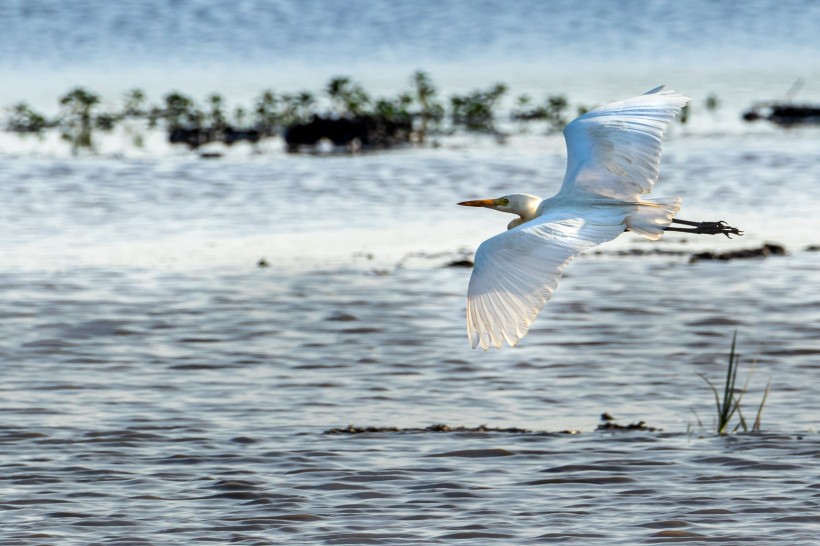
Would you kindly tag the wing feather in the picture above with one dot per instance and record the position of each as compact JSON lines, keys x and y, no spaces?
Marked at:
{"x":517,"y":271}
{"x":614,"y":151}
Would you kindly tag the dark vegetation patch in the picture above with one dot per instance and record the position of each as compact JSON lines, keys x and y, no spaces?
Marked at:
{"x":443,"y":428}
{"x":763,"y":251}
{"x":351,"y":429}
{"x":640,"y":425}
{"x":460,"y":263}
{"x":342,"y":117}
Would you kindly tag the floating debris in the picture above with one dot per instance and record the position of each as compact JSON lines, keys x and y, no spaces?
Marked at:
{"x":784,"y":114}
{"x":643,"y":252}
{"x":608,"y":423}
{"x":765,"y":250}
{"x":456,"y":259}
{"x":768,"y":249}
{"x":352,"y":429}
{"x":460,"y":263}
{"x":640,"y":425}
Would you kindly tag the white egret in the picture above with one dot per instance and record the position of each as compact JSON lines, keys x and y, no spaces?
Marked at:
{"x":613,"y":155}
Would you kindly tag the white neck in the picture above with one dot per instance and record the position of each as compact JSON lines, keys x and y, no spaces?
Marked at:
{"x":526,"y":207}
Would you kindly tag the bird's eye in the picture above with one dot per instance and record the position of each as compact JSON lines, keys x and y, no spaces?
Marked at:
{"x":505,"y":202}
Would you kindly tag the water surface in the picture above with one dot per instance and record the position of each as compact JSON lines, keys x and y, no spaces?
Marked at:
{"x":160,"y":388}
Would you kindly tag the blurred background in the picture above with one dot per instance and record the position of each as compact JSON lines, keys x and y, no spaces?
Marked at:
{"x":740,"y":52}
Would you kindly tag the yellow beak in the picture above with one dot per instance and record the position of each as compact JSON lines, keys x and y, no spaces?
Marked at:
{"x":480,"y":203}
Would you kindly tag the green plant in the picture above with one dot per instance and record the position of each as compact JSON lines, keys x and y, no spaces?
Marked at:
{"x":347,"y":97}
{"x":134,"y":106}
{"x":556,"y":109}
{"x":424,"y":92}
{"x":266,"y":113}
{"x":729,"y":404}
{"x":239,"y":115}
{"x":393,"y":110}
{"x":297,"y":107}
{"x":21,"y":118}
{"x":180,"y":112}
{"x":553,"y":112}
{"x":77,"y":116}
{"x":216,"y":115}
{"x":711,"y":102}
{"x":475,"y":111}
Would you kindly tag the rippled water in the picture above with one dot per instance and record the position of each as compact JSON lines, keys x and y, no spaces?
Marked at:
{"x":97,"y":31}
{"x":160,"y":388}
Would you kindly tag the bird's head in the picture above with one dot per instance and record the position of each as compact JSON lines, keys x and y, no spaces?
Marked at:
{"x":522,"y":204}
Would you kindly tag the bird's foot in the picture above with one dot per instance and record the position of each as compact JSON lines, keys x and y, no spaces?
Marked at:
{"x":718,"y":228}
{"x":707,"y":228}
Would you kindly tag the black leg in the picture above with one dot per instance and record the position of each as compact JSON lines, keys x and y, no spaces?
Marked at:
{"x":685,"y":222}
{"x":705,"y":228}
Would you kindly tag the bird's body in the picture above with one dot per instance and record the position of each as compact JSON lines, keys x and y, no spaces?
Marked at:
{"x":613,"y":156}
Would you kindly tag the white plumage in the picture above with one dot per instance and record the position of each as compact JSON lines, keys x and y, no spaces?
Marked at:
{"x":613,"y":156}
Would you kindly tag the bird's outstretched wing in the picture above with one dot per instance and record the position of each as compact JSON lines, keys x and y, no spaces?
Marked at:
{"x":614,"y":151}
{"x":516,"y":272}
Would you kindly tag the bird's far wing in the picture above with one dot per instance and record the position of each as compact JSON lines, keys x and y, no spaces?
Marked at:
{"x":615,"y":150}
{"x":516,"y":272}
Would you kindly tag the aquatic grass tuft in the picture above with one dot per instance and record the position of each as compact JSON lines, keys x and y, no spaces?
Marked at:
{"x":756,"y":425}
{"x":729,"y":404}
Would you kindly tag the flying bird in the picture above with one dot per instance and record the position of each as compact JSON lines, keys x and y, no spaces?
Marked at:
{"x":613,"y":156}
